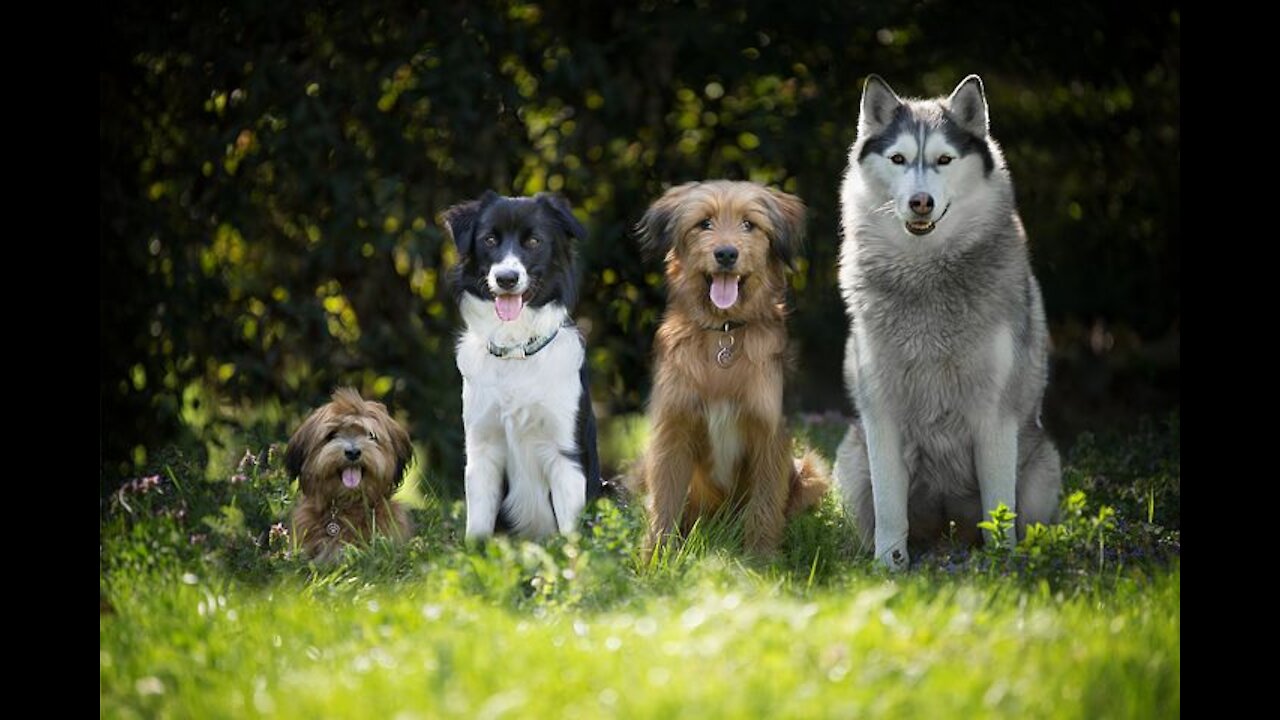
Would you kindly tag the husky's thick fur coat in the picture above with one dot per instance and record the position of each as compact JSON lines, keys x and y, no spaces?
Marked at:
{"x":946,"y":359}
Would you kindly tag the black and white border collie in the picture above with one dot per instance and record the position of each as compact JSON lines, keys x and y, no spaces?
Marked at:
{"x":532,"y":462}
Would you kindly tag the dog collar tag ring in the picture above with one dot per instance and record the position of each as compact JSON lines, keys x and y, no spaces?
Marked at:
{"x":724,"y":357}
{"x":332,"y":528}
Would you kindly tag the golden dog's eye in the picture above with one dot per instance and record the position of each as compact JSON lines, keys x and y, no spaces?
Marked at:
{"x":490,"y":240}
{"x":532,"y":241}
{"x":748,"y":226}
{"x":329,"y":438}
{"x":705,"y":224}
{"x":944,"y":159}
{"x":373,"y":436}
{"x":897,"y":158}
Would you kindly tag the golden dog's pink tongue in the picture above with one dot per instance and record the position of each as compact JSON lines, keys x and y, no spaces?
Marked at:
{"x":351,"y":477}
{"x":508,"y":306}
{"x":724,"y":290}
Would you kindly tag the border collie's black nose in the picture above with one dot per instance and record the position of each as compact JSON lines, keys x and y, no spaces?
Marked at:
{"x":726,"y":255}
{"x":352,"y":454}
{"x":507,"y":279}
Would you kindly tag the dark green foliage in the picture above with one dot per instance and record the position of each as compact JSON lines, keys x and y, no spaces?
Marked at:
{"x":271,"y":177}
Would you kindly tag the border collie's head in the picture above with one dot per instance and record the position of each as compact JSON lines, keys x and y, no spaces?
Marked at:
{"x":515,"y":251}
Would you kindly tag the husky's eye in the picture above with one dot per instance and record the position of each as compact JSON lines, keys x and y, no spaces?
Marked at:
{"x":897,"y":159}
{"x":748,"y":226}
{"x":532,"y":241}
{"x":490,"y":240}
{"x":944,"y":159}
{"x":705,"y":224}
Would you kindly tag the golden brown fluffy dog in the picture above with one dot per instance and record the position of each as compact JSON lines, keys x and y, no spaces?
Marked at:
{"x":716,"y":408}
{"x":348,"y":456}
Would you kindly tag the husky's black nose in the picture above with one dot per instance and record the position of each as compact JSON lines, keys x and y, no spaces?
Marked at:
{"x":352,"y":454}
{"x":726,"y":256}
{"x":507,"y":279}
{"x":921,"y":203}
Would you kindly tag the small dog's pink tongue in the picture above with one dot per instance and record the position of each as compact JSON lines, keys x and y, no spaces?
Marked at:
{"x":508,"y":306}
{"x":724,"y":290}
{"x":351,"y":477}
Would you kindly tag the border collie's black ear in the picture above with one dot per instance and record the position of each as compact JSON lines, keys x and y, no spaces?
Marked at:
{"x":786,"y":214}
{"x":559,"y":207}
{"x":657,"y":229}
{"x":460,"y":221}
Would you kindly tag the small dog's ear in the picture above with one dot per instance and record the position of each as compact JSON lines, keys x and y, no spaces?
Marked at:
{"x":968,"y":105}
{"x":879,"y":103}
{"x":563,"y":214}
{"x":396,"y":435}
{"x":460,"y":221}
{"x":403,"y":448}
{"x":300,"y":446}
{"x":787,"y":216}
{"x":657,"y":229}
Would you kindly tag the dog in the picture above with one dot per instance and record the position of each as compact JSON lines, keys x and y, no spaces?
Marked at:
{"x":715,"y":411}
{"x":349,"y":456}
{"x":947,"y":355}
{"x":532,"y":461}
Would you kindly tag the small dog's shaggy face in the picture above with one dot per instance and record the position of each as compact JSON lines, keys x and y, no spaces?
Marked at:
{"x":728,"y":245}
{"x":349,"y":457}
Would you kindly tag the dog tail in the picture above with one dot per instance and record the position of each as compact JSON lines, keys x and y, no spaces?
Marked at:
{"x":809,"y":482}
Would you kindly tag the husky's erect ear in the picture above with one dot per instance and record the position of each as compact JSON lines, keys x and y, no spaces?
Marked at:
{"x":786,"y":216}
{"x":559,"y":208}
{"x":657,"y":230}
{"x":460,"y":221}
{"x":968,"y":105}
{"x":879,"y":103}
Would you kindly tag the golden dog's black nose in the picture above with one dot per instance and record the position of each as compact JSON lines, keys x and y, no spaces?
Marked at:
{"x":726,"y":256}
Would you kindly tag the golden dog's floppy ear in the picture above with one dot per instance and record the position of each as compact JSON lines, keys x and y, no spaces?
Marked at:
{"x":657,"y":230}
{"x":460,"y":221}
{"x":304,"y":441}
{"x":787,"y":218}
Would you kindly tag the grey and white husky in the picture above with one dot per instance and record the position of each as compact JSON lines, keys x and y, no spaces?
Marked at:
{"x":946,"y":359}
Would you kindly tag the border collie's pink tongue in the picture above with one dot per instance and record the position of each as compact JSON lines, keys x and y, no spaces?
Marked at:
{"x":351,"y":477}
{"x":724,"y":290}
{"x":508,"y":306}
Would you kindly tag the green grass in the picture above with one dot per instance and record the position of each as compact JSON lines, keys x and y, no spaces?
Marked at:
{"x":207,"y":614}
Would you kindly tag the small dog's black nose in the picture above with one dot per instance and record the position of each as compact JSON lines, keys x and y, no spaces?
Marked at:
{"x":353,"y":454}
{"x":921,"y":203}
{"x":726,"y":255}
{"x":507,"y":279}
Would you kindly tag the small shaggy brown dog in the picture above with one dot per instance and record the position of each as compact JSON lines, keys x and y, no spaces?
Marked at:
{"x":349,"y":457}
{"x":716,"y":407}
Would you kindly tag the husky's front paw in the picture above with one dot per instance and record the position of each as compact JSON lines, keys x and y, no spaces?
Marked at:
{"x":896,"y":558}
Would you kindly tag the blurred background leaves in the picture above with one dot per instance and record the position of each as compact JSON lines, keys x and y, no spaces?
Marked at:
{"x":272,"y":174}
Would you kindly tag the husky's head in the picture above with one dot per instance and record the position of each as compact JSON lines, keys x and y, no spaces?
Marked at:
{"x":924,"y":156}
